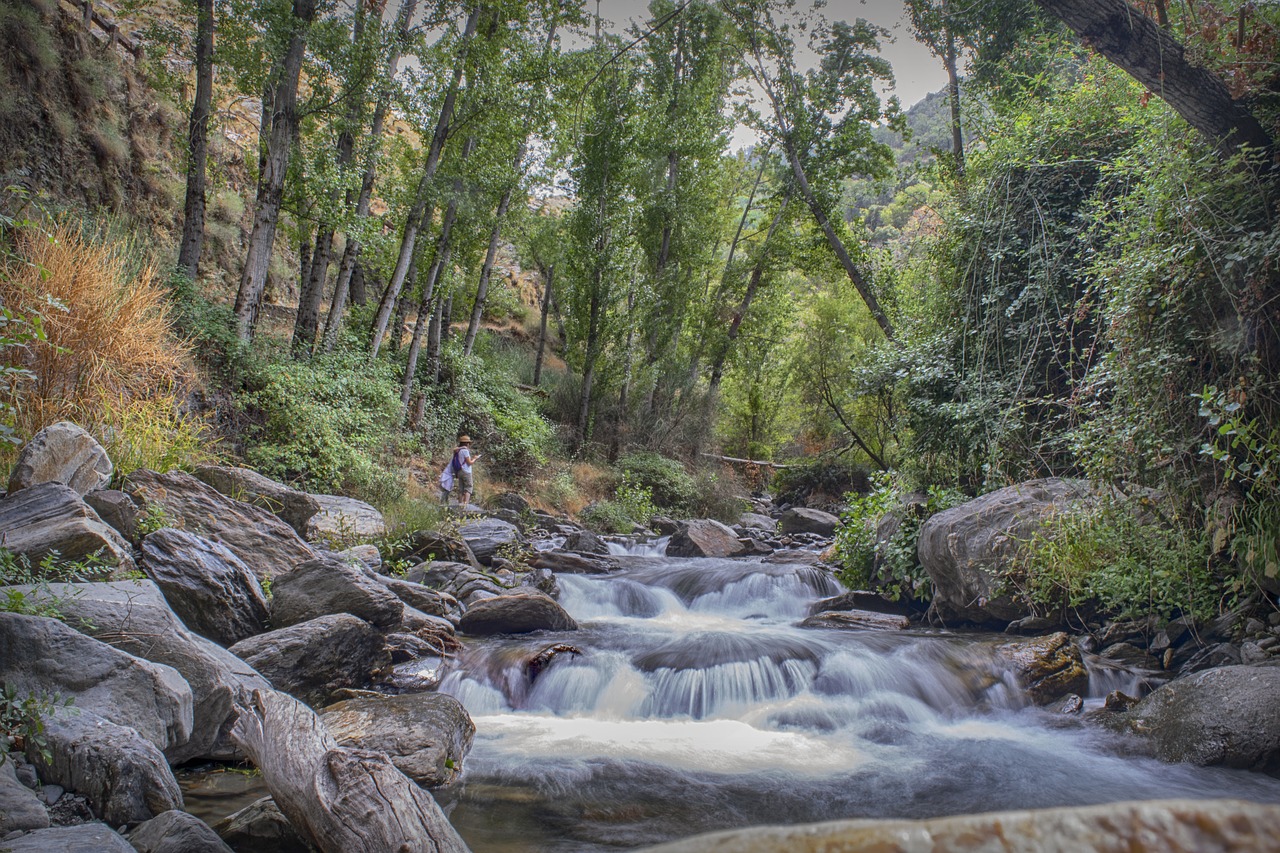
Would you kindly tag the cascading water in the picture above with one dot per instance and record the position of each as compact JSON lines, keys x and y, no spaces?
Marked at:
{"x":693,"y":703}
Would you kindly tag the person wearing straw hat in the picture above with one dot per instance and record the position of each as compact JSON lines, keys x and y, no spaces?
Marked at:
{"x":463,"y":459}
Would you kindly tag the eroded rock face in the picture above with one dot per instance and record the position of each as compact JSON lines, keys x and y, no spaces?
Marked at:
{"x":311,"y":660}
{"x":176,"y":832}
{"x":1047,"y":667}
{"x":326,"y":586}
{"x":62,"y":453}
{"x":294,"y":508}
{"x":426,"y":735}
{"x":802,"y":519}
{"x":465,"y":583}
{"x":262,"y":541}
{"x":1205,"y":826}
{"x":210,"y":588}
{"x":966,"y":548}
{"x":1222,"y":716}
{"x":520,"y":613}
{"x":704,"y":538}
{"x":341,"y":520}
{"x":85,"y":838}
{"x":489,"y":535}
{"x":49,"y":517}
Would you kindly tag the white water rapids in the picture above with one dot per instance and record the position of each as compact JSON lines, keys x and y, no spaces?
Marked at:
{"x":696,"y":704}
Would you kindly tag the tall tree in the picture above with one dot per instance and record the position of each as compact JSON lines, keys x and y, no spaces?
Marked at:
{"x":935,"y":27}
{"x":198,"y":144}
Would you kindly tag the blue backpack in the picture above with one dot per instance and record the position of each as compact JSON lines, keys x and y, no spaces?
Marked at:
{"x":456,"y":465}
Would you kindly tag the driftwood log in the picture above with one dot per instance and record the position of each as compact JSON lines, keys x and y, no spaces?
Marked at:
{"x":340,"y":799}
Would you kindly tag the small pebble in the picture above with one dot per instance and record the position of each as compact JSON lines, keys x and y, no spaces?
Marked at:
{"x":1274,"y":619}
{"x":1254,"y":626}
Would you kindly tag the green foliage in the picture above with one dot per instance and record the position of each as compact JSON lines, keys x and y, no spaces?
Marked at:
{"x":668,"y":484}
{"x":155,"y":517}
{"x":22,"y":719}
{"x":855,"y":541}
{"x":17,"y":570}
{"x":823,"y":477}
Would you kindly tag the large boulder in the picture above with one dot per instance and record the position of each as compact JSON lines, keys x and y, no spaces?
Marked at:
{"x":324,"y":586}
{"x":1217,"y":716}
{"x":62,"y":453}
{"x":704,"y":538}
{"x":585,"y":542}
{"x":20,"y":808}
{"x":966,"y":549}
{"x":260,"y":827}
{"x":209,"y":587}
{"x":1205,"y":826}
{"x":1047,"y":667}
{"x":135,"y":618}
{"x":520,"y":613}
{"x":426,"y":735}
{"x":50,"y":517}
{"x":176,"y":832}
{"x":487,"y":536}
{"x":262,"y":541}
{"x":465,"y":583}
{"x":756,"y":521}
{"x":342,"y":521}
{"x":313,"y":659}
{"x":294,"y":508}
{"x":44,"y":656}
{"x":802,"y":519}
{"x":85,"y":838}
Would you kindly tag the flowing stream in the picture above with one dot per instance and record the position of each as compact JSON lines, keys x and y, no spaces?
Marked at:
{"x":696,"y":704}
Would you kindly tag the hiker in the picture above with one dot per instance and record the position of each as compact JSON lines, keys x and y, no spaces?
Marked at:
{"x":459,"y":470}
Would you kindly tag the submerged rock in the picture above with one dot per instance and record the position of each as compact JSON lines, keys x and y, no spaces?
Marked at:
{"x":1046,"y":667}
{"x":260,"y":827}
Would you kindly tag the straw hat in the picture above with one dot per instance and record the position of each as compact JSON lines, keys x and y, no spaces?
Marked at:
{"x":464,"y":439}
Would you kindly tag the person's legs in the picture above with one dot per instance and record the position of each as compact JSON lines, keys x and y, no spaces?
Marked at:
{"x":464,"y":479}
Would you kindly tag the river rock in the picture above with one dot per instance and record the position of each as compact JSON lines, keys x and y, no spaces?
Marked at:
{"x":20,"y":807}
{"x":85,"y":838}
{"x":365,"y":555}
{"x":585,"y":542}
{"x":325,"y":586}
{"x":45,"y":656}
{"x":802,"y":519}
{"x":262,"y":541}
{"x":1046,"y":667}
{"x":62,"y":453}
{"x":423,"y":598}
{"x":51,"y":517}
{"x":117,"y":509}
{"x":489,"y":535}
{"x":176,"y":832}
{"x":704,"y":538}
{"x":574,"y":564}
{"x":859,"y":600}
{"x":208,"y":587}
{"x":260,"y":828}
{"x":342,"y":521}
{"x":965,"y":549}
{"x":135,"y":617}
{"x":293,"y":507}
{"x":426,"y":735}
{"x":1204,"y":826}
{"x":463,"y":582}
{"x":756,"y":521}
{"x":312,"y":659}
{"x":856,"y":620}
{"x":125,"y":778}
{"x":520,"y":613}
{"x":1218,"y":716}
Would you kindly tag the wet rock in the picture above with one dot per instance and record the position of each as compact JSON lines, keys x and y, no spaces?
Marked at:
{"x":312,"y":659}
{"x":856,"y":620}
{"x":965,"y":549}
{"x":1033,"y":625}
{"x":1252,"y":653}
{"x":574,"y":564}
{"x":210,"y":589}
{"x":326,"y":586}
{"x":118,"y":510}
{"x":488,"y":536}
{"x":664,"y":526}
{"x":176,"y":832}
{"x":1171,"y":634}
{"x":704,"y":538}
{"x":407,"y":647}
{"x":423,"y":598}
{"x":62,"y":453}
{"x":260,"y":828}
{"x":1129,"y":655}
{"x":756,"y":521}
{"x":538,"y":663}
{"x":1221,"y":716}
{"x":262,"y":541}
{"x":293,"y":507}
{"x":585,"y":542}
{"x":426,"y":735}
{"x":521,"y":613}
{"x":51,"y":517}
{"x":424,"y":624}
{"x":801,"y":519}
{"x":859,"y":600}
{"x":20,"y":807}
{"x":344,"y":520}
{"x":1069,"y":704}
{"x":1046,"y":667}
{"x":1205,"y":826}
{"x":85,"y":838}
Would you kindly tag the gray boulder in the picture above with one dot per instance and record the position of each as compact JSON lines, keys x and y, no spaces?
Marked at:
{"x":856,"y":620}
{"x":574,"y":564}
{"x":585,"y":542}
{"x":50,"y":517}
{"x":342,"y":521}
{"x":756,"y":521}
{"x":465,"y":583}
{"x":802,"y":519}
{"x":520,"y":613}
{"x":486,"y":536}
{"x":261,"y":828}
{"x":294,"y":508}
{"x":966,"y":548}
{"x":62,"y":453}
{"x":262,"y":541}
{"x":326,"y":586}
{"x":704,"y":538}
{"x":429,"y":545}
{"x":209,"y":587}
{"x":176,"y":832}
{"x":135,"y":617}
{"x":423,"y":598}
{"x":365,"y":555}
{"x":426,"y":735}
{"x":20,"y":808}
{"x":85,"y":838}
{"x":45,"y":656}
{"x":313,"y":659}
{"x":1218,"y":716}
{"x":119,"y":510}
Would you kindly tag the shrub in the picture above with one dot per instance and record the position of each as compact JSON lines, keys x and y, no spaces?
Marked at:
{"x":154,"y":434}
{"x":821,"y":479}
{"x":671,"y":487}
{"x":718,"y":495}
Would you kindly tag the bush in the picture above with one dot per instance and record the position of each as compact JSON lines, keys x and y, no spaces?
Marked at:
{"x":718,"y":495}
{"x":670,"y":486}
{"x":824,"y":479}
{"x":154,"y":434}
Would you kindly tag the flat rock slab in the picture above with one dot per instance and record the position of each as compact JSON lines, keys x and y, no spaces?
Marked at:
{"x":313,"y":659}
{"x":50,"y":517}
{"x":857,"y":620}
{"x":85,"y":838}
{"x":294,"y":507}
{"x":262,"y":541}
{"x":176,"y":832}
{"x":324,"y":586}
{"x":521,"y":613}
{"x":62,"y":453}
{"x":704,"y":538}
{"x":426,"y":735}
{"x":342,"y":521}
{"x":489,"y":535}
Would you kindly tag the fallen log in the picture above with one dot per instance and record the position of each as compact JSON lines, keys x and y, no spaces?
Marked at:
{"x":340,"y":799}
{"x":760,"y":462}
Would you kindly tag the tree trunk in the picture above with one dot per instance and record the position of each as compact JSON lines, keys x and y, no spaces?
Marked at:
{"x":547,"y":277}
{"x":433,"y":338}
{"x":284,"y":119}
{"x":953,"y":91}
{"x":1139,"y":46}
{"x":482,"y":290}
{"x":198,"y":141}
